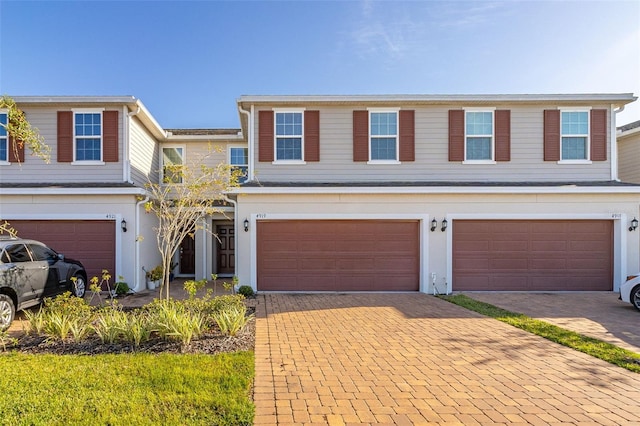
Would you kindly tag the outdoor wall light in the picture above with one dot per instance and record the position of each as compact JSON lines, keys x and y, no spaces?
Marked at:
{"x":634,"y":224}
{"x":246,"y":225}
{"x":444,"y":225}
{"x":434,"y":224}
{"x":123,"y":225}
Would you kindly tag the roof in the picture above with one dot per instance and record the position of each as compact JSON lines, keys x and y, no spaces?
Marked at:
{"x":608,"y":183}
{"x":205,"y":132}
{"x":616,"y":98}
{"x":629,"y":126}
{"x":439,"y":187}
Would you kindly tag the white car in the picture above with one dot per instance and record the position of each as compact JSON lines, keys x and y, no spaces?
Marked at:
{"x":630,"y":291}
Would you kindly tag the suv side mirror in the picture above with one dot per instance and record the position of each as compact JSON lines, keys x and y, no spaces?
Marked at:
{"x":61,"y":256}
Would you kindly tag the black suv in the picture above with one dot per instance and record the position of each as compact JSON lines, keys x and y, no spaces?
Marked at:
{"x":31,"y":271}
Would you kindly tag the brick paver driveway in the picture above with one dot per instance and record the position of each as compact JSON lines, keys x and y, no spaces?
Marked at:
{"x":414,"y":359}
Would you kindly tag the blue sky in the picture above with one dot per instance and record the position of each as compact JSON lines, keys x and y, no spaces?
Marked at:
{"x":188,"y":61}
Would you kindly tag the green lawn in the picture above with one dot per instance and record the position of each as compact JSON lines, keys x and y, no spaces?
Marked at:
{"x":126,"y":389}
{"x":594,"y":347}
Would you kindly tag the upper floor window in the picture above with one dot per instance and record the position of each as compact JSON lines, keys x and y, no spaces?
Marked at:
{"x":172,"y":162}
{"x":239,"y":159}
{"x":478,"y":135}
{"x":4,"y":139}
{"x":574,"y":137}
{"x":88,"y":136}
{"x":289,"y":131}
{"x":383,"y":133}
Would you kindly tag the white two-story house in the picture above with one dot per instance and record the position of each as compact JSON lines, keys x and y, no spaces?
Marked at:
{"x":345,"y":193}
{"x":434,"y":193}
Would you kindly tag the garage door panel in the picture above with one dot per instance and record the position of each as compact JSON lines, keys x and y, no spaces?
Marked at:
{"x":508,"y":264}
{"x":350,"y":255}
{"x":508,"y":246}
{"x":541,"y":255}
{"x":90,"y":241}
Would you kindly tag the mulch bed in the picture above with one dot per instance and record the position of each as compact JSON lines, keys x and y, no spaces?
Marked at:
{"x":212,"y":342}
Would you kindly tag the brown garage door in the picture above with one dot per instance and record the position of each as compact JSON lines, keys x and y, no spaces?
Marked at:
{"x":338,"y":255}
{"x":90,"y":241}
{"x":555,"y":255}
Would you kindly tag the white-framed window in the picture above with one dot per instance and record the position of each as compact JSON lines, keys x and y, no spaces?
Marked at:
{"x":479,"y":135}
{"x":239,"y":160}
{"x":289,"y":136}
{"x":383,"y":136}
{"x":574,"y":135}
{"x":4,"y":137}
{"x":87,"y":136}
{"x":172,"y":159}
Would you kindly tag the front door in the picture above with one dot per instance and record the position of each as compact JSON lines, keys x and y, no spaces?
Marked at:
{"x":188,"y":256}
{"x":225,"y":249}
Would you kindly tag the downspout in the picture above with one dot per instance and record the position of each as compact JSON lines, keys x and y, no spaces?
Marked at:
{"x":235,"y":225}
{"x":137,"y":266}
{"x":250,"y":174}
{"x":126,"y":170}
{"x":614,"y":143}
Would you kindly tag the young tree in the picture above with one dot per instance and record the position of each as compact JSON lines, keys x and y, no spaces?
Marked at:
{"x":187,"y":194}
{"x":19,"y":130}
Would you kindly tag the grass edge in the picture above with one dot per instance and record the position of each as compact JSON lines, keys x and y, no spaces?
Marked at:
{"x":591,"y":346}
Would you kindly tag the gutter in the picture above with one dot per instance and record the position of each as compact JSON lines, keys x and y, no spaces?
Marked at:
{"x":614,"y":142}
{"x":250,"y":173}
{"x":136,"y":266}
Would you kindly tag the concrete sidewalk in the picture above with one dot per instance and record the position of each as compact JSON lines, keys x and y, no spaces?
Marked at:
{"x":410,"y":359}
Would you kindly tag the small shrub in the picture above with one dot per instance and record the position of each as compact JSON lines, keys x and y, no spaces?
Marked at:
{"x":6,"y":340}
{"x":62,"y":316}
{"x":192,"y":287}
{"x":232,"y":320}
{"x":173,"y":321}
{"x":35,"y":321}
{"x":110,"y":324}
{"x":246,"y":291}
{"x":221,"y":303}
{"x":138,"y":329}
{"x":121,"y":288}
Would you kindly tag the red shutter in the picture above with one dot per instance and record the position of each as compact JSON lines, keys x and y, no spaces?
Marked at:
{"x":503,"y":135}
{"x":599,"y":135}
{"x":312,"y":136}
{"x":16,"y":151}
{"x":456,"y":135}
{"x":265,"y":136}
{"x":110,"y":136}
{"x":360,"y":135}
{"x":551,"y":135}
{"x":65,"y":136}
{"x":407,"y":135}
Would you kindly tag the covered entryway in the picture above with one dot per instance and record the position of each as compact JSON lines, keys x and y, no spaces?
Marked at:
{"x":533,"y":255}
{"x":90,"y":241}
{"x":338,"y":255}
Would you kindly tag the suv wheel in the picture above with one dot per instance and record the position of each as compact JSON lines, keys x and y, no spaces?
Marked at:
{"x":635,"y":297}
{"x":7,"y":311}
{"x":79,"y":287}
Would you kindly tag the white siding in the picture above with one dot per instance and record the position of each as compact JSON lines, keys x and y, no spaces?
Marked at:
{"x":628,"y":158}
{"x":35,"y":170}
{"x":432,"y":153}
{"x":144,"y":157}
